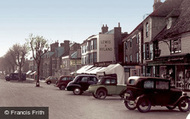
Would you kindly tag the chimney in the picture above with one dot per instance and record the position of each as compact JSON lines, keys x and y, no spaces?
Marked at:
{"x":66,"y":45}
{"x":104,"y":29}
{"x":53,"y":46}
{"x":157,"y":4}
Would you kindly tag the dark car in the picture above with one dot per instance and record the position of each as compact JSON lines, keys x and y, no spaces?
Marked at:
{"x":144,"y":92}
{"x":63,"y":81}
{"x":15,"y":76}
{"x":81,"y":83}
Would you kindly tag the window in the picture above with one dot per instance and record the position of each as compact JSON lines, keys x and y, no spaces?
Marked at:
{"x":84,"y":79}
{"x":92,"y":79}
{"x":132,"y":81}
{"x":131,"y":58}
{"x":126,"y":45}
{"x":146,"y":52}
{"x":64,"y":79}
{"x":162,"y":85}
{"x":94,"y":57}
{"x":131,"y":42}
{"x":137,"y":38}
{"x":149,"y":84}
{"x":95,"y":44}
{"x":126,"y":59}
{"x":107,"y":81}
{"x":175,"y":46}
{"x":147,"y":29}
{"x":113,"y":81}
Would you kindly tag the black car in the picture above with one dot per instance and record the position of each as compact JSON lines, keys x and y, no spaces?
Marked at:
{"x":81,"y":83}
{"x":144,"y":92}
{"x":15,"y":76}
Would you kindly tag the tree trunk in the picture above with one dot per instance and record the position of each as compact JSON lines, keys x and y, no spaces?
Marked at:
{"x":38,"y":76}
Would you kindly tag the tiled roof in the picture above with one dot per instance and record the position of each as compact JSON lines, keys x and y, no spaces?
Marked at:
{"x":181,"y":25}
{"x":59,"y":51}
{"x":166,"y":8}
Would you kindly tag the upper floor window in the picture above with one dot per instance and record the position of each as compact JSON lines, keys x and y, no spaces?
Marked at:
{"x":146,"y":52}
{"x":126,"y":45}
{"x":175,"y":46}
{"x":137,"y":54}
{"x":126,"y":59}
{"x":147,"y":29}
{"x":95,"y":44}
{"x":131,"y":42}
{"x":137,"y":38}
{"x":131,"y":58}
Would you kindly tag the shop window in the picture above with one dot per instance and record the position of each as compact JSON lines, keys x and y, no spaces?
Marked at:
{"x":175,"y":46}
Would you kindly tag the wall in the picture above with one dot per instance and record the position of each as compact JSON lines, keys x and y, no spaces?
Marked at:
{"x":105,"y":48}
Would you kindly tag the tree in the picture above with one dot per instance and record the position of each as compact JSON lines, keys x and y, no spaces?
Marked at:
{"x":38,"y":44}
{"x":19,"y":53}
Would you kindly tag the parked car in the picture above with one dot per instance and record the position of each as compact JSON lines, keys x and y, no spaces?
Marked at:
{"x":81,"y":83}
{"x":51,"y":79}
{"x":107,"y":86}
{"x":63,"y":81}
{"x":144,"y":92}
{"x":15,"y":76}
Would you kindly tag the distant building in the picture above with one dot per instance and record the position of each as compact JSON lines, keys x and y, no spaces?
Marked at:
{"x":104,"y":47}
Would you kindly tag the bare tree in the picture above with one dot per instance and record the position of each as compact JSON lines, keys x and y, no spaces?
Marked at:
{"x":38,"y":44}
{"x":8,"y":62}
{"x":19,"y":53}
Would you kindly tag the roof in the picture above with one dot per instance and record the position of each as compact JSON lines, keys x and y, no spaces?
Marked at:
{"x":48,"y":54}
{"x":59,"y":51}
{"x":166,"y":8}
{"x":74,"y":55}
{"x":181,"y":25}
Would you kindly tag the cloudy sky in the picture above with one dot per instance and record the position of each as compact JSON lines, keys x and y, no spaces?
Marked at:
{"x":59,"y":20}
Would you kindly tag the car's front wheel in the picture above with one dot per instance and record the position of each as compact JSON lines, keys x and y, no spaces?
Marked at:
{"x":184,"y":105}
{"x":77,"y":91}
{"x":62,"y":87}
{"x":130,"y":104}
{"x":143,"y":105}
{"x":101,"y":94}
{"x":48,"y":82}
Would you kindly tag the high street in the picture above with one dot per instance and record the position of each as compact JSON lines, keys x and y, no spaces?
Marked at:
{"x":65,"y":105}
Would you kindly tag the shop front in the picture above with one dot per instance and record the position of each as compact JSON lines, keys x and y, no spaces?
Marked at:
{"x":175,"y":68}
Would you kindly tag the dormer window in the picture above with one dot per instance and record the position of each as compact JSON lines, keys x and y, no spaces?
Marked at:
{"x":169,"y":23}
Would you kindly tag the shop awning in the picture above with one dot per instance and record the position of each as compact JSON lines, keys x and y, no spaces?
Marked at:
{"x":30,"y":71}
{"x":94,"y":70}
{"x":33,"y":73}
{"x":84,"y":69}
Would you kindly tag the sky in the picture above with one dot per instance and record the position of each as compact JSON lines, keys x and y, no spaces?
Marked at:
{"x":59,"y":20}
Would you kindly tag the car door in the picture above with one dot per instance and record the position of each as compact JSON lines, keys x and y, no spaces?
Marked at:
{"x":111,"y":85}
{"x":84,"y":83}
{"x":161,"y":93}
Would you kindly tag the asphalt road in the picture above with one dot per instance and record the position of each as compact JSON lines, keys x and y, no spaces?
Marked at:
{"x":65,"y":105}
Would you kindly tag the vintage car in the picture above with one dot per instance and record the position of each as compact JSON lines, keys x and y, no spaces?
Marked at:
{"x":81,"y":83}
{"x":15,"y":76}
{"x":51,"y":79}
{"x":144,"y":92}
{"x":107,"y":86}
{"x":63,"y":81}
